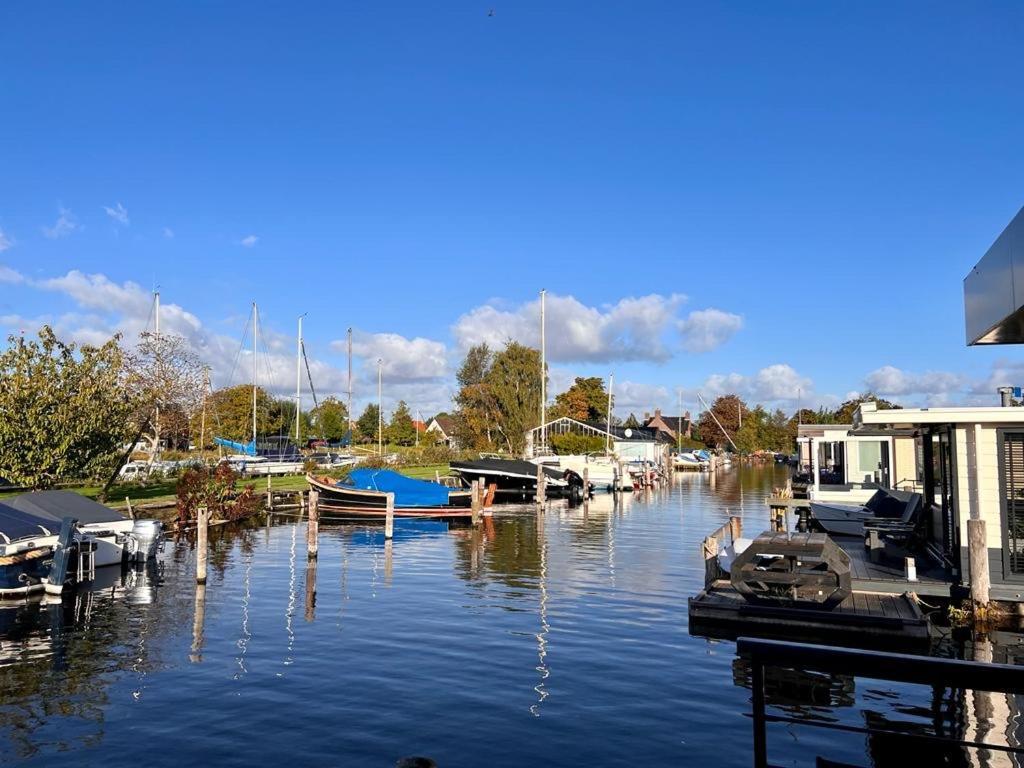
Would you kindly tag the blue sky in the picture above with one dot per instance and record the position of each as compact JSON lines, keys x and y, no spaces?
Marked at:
{"x":766,"y":197}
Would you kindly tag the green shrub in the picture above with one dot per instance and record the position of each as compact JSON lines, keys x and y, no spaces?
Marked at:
{"x":575,"y":444}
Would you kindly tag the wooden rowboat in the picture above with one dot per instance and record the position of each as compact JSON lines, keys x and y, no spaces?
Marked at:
{"x":346,"y":501}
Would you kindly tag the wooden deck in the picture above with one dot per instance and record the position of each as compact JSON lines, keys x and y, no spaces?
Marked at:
{"x":864,"y":618}
{"x":889,"y":575}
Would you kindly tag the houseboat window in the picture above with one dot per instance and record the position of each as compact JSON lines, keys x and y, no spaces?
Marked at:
{"x":1012,"y":472}
{"x":869,"y":460}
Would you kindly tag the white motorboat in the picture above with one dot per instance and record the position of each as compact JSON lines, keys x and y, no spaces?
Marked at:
{"x":116,"y":536}
{"x":602,"y":470}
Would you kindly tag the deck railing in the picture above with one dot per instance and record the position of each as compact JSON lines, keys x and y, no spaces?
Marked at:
{"x":875,"y":665}
{"x":710,"y":547}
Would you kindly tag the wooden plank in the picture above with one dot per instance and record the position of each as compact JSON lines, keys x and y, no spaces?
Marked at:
{"x":875,"y":605}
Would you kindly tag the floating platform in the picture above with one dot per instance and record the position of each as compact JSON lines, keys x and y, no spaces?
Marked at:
{"x":862,"y":619}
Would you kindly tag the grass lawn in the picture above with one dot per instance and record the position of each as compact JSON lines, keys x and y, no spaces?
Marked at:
{"x":163,"y":491}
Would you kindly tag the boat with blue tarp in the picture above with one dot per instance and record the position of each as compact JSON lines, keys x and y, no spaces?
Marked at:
{"x":363,"y":493}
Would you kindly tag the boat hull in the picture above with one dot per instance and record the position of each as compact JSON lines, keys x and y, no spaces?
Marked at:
{"x":840,"y":519}
{"x":372,"y":505}
{"x":511,"y":479}
{"x":25,"y":572}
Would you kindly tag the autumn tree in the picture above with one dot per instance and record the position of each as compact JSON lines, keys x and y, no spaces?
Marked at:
{"x":844,"y":413}
{"x":632,"y":422}
{"x":586,"y":400}
{"x":167,"y":379}
{"x":729,"y":410}
{"x":514,"y":384}
{"x":474,"y":415}
{"x":329,"y":419}
{"x":229,"y":413}
{"x":64,"y":411}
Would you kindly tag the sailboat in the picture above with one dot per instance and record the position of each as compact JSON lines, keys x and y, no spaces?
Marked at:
{"x":275,"y":454}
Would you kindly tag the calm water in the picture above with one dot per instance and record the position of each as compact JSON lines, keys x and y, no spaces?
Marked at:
{"x":557,"y":639}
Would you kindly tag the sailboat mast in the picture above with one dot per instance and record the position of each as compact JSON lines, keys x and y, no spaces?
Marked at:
{"x":679,"y":425}
{"x":202,"y":423}
{"x":543,"y":376}
{"x":380,"y":407}
{"x":608,"y":429}
{"x":298,"y":381}
{"x":350,"y":379}
{"x":156,"y":417}
{"x":255,"y":316}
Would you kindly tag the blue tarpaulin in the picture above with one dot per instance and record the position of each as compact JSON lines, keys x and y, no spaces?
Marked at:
{"x":408,"y":491}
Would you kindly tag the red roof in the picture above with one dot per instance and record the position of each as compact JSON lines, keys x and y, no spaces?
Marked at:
{"x":419,"y":426}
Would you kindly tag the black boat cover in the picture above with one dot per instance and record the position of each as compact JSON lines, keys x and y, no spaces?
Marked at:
{"x":54,"y":506}
{"x":16,"y":525}
{"x":515,"y":467}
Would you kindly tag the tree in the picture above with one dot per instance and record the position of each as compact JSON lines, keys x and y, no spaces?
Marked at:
{"x":729,"y":410}
{"x":369,"y":423}
{"x":514,"y":383}
{"x":844,"y":413}
{"x":474,"y":403}
{"x":229,"y":413}
{"x":585,"y":400}
{"x":329,"y":419}
{"x":64,"y":413}
{"x":401,"y":430}
{"x":632,"y":422}
{"x":168,"y":380}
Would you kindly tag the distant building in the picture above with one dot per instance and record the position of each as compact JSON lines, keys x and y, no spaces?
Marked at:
{"x":419,"y":426}
{"x":443,"y":427}
{"x":670,"y":426}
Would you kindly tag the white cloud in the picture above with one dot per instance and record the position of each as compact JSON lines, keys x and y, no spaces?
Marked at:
{"x":778,"y":385}
{"x":404,"y":359}
{"x":639,"y":398}
{"x":64,"y":226}
{"x":891,"y":381}
{"x":706,"y":329}
{"x":99,"y":292}
{"x":168,"y":233}
{"x":8,"y":275}
{"x":5,"y":241}
{"x":118,"y":214}
{"x":249,"y":241}
{"x":631,"y":329}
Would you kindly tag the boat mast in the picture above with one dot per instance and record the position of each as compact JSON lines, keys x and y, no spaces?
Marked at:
{"x":156,"y":417}
{"x":608,"y":428}
{"x":202,"y":422}
{"x":543,"y":377}
{"x":255,"y":315}
{"x":350,"y":383}
{"x":380,"y":407}
{"x":298,"y":380}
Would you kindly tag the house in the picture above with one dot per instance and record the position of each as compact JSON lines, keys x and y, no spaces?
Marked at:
{"x":443,"y":429}
{"x":671,"y":426}
{"x":419,"y":426}
{"x":848,"y":466}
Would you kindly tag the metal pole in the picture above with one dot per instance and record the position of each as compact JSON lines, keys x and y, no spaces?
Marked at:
{"x":543,"y":375}
{"x":679,"y":424}
{"x":350,"y":421}
{"x":254,"y":322}
{"x":608,"y":426}
{"x":156,"y":419}
{"x":380,"y":407}
{"x":712,"y":414}
{"x":298,"y":380}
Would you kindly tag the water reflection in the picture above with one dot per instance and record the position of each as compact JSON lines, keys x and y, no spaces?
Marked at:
{"x":560,"y":631}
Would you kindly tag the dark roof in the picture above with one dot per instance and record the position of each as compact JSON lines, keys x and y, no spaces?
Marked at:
{"x":446,"y":423}
{"x":56,"y":505}
{"x":636,"y":433}
{"x":672,"y":421}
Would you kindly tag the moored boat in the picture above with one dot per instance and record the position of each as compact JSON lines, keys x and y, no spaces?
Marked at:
{"x":364,"y":494}
{"x":26,"y":551}
{"x":511,"y":477}
{"x":602,"y":471}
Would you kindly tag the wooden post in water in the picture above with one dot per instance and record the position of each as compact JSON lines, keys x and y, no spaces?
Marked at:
{"x":586,"y":482}
{"x":541,"y":495}
{"x":475,"y":501}
{"x":270,"y":492}
{"x":389,"y":517}
{"x":198,"y":620}
{"x":313,"y":526}
{"x":977,"y":548}
{"x":735,"y":527}
{"x":202,"y":522}
{"x":311,"y":586}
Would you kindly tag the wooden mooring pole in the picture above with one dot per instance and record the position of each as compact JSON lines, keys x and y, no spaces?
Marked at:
{"x":270,"y":493}
{"x":198,"y":620}
{"x":389,"y":517}
{"x":977,"y":548}
{"x":202,"y":523}
{"x":541,"y":495}
{"x":475,"y":501}
{"x":313,"y":526}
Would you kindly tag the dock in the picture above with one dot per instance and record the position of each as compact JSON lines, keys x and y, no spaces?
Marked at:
{"x":878,"y":606}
